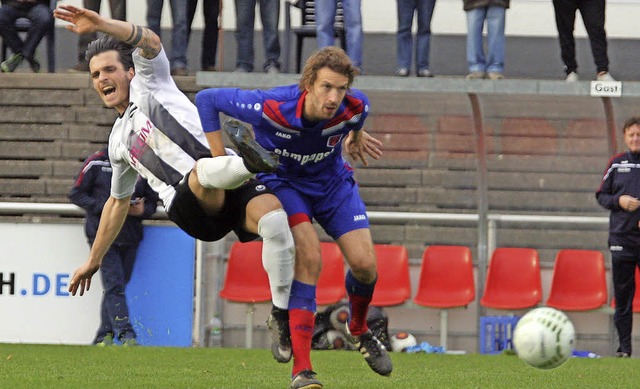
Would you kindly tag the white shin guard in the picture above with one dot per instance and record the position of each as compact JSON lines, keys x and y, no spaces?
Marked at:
{"x":277,"y":255}
{"x":224,"y":172}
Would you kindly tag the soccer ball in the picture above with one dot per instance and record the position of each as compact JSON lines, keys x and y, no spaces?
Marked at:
{"x":401,"y":340}
{"x":544,"y":338}
{"x":339,"y":318}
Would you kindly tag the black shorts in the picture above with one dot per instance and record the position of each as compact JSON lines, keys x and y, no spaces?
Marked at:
{"x":189,"y":215}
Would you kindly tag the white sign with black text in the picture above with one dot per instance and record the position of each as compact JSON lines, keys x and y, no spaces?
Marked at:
{"x":606,"y":88}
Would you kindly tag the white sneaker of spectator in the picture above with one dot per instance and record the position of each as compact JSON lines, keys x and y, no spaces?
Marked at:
{"x":572,"y":77}
{"x":605,"y":76}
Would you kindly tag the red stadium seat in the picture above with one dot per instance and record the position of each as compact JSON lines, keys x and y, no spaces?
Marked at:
{"x":513,"y":279}
{"x":446,"y":281}
{"x":246,"y":281}
{"x":394,"y":285}
{"x":579,"y":281}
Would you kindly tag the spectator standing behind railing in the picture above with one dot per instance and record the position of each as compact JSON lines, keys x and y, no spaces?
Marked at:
{"x":118,"y":10}
{"x":38,"y":12}
{"x":491,"y":64}
{"x":593,"y":17}
{"x":90,"y":192}
{"x":179,"y":31}
{"x":325,"y":30}
{"x":619,"y":192}
{"x":209,"y":48}
{"x":245,"y":22}
{"x":423,"y":9}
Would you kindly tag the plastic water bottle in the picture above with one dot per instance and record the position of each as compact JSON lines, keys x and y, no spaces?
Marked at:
{"x":215,"y":332}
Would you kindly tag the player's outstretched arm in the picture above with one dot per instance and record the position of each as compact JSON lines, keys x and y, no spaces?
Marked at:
{"x":84,"y":21}
{"x":113,"y":215}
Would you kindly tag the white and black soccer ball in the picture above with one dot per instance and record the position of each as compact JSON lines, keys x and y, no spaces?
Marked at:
{"x":401,"y":340}
{"x":544,"y":338}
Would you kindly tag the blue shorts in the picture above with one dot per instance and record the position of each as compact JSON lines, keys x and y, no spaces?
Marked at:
{"x":335,"y":204}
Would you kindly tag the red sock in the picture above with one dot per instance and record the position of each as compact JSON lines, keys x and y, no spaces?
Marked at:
{"x":358,"y":305}
{"x":301,"y":323}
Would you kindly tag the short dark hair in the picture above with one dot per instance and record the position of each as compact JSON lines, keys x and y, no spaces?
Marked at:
{"x":108,"y":43}
{"x":630,"y":122}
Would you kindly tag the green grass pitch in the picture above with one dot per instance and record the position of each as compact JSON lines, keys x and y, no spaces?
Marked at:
{"x":57,"y":366}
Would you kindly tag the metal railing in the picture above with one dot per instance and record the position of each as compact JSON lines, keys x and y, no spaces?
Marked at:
{"x":491,"y":227}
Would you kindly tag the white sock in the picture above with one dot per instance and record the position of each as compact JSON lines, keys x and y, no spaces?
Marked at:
{"x":277,"y":255}
{"x":224,"y":172}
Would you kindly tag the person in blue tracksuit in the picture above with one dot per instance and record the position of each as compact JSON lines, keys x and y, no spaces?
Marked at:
{"x":90,"y":192}
{"x":619,"y":192}
{"x":307,"y":125}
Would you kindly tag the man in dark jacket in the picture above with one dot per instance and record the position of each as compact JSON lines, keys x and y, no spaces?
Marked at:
{"x":38,"y":12}
{"x":619,"y":192}
{"x":90,"y":191}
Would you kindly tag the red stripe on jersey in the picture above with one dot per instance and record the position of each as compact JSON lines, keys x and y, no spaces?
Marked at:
{"x":298,"y":218}
{"x":300,"y":105}
{"x":272,"y":110}
{"x":96,"y":155}
{"x":607,"y":169}
{"x":353,"y":107}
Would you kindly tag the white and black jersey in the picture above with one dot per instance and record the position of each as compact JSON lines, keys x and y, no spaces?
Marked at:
{"x":159,"y":136}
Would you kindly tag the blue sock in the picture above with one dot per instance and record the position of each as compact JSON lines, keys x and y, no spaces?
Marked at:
{"x":303,"y":296}
{"x":357,"y":288}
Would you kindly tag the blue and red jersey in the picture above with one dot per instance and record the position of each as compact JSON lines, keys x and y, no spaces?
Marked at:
{"x":307,"y":150}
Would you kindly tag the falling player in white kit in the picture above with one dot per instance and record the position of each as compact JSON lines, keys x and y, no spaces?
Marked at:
{"x":206,"y":189}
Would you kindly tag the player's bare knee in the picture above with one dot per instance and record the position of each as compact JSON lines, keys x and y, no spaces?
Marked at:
{"x":363,"y":271}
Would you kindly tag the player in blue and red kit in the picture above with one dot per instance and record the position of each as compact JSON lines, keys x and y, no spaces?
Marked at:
{"x":307,"y":125}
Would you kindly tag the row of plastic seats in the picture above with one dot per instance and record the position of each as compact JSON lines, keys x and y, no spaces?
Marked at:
{"x":247,"y":282}
{"x":446,"y":279}
{"x":513,"y":280}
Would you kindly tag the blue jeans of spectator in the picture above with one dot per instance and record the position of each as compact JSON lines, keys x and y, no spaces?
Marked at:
{"x":325,"y":32}
{"x":476,"y":59}
{"x":41,"y":20}
{"x":423,"y":10}
{"x":178,"y":57}
{"x":245,"y":22}
{"x":115,"y":273}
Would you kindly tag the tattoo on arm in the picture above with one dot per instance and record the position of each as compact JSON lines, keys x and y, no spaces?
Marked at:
{"x":142,"y":37}
{"x":136,"y":35}
{"x":133,"y":31}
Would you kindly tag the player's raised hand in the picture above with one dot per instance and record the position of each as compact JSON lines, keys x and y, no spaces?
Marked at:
{"x":83,"y":21}
{"x":359,"y":144}
{"x":82,"y":278}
